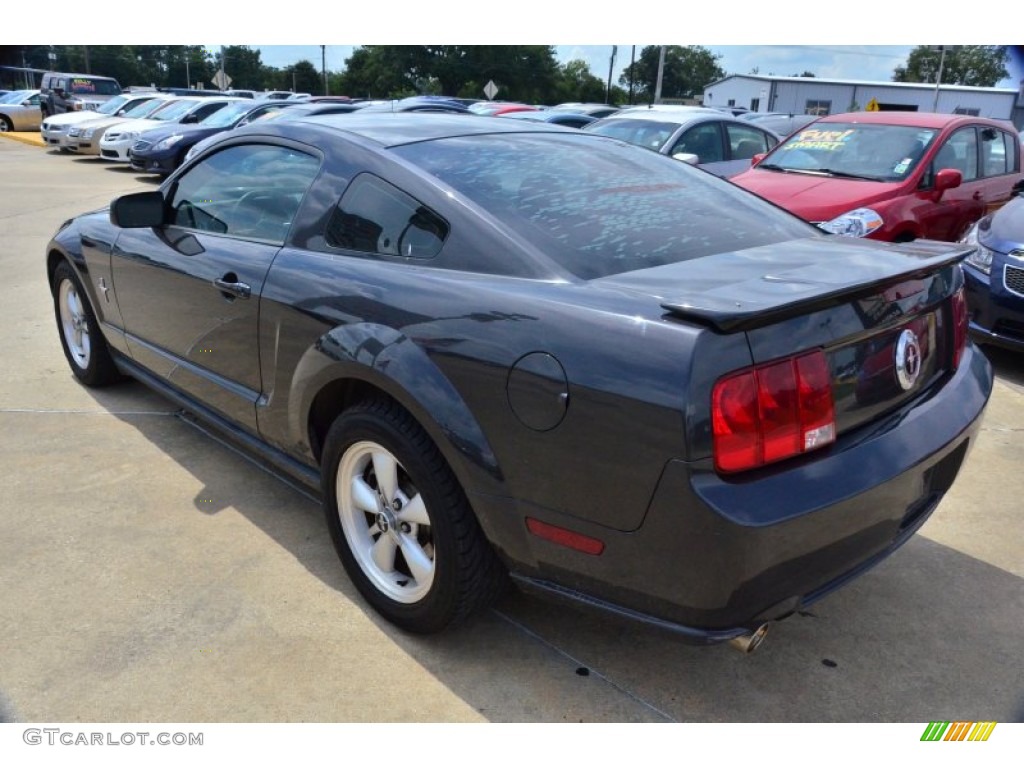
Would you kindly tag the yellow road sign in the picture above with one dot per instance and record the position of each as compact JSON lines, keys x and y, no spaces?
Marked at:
{"x":872,"y":106}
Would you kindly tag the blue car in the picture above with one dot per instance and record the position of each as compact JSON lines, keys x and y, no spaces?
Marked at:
{"x":995,"y":277}
{"x":161,"y":150}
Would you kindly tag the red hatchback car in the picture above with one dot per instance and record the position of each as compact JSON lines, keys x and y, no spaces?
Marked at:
{"x":891,"y":176}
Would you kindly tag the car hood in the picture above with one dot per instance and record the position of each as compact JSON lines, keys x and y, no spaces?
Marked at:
{"x":139,"y":125}
{"x":815,"y":198}
{"x":105,"y":122}
{"x":71,"y":118}
{"x":192,"y":133}
{"x":754,"y":287}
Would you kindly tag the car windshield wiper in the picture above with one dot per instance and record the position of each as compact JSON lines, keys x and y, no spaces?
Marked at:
{"x":847,"y":175}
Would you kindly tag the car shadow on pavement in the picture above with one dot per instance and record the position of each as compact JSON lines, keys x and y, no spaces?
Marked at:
{"x":1008,"y":365}
{"x":930,"y":634}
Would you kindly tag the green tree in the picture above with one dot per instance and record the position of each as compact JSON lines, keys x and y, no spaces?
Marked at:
{"x":305,"y":78}
{"x":522,"y":72}
{"x":977,"y":65}
{"x":243,"y":65}
{"x":688,"y":69}
{"x":577,"y":83}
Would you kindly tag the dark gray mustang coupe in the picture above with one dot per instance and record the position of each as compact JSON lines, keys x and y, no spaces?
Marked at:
{"x":499,"y":349}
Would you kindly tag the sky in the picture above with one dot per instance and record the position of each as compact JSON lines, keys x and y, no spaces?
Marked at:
{"x":849,"y":62}
{"x":863,"y":42}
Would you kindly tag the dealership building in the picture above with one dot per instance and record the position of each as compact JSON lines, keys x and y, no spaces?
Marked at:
{"x":822,"y":96}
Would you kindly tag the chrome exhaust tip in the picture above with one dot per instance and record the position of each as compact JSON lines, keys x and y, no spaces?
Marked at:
{"x":750,"y":642}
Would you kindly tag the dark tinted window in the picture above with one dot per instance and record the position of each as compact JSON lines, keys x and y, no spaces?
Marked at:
{"x":376,"y":217}
{"x":598,"y":207}
{"x":250,"y":191}
{"x":703,"y":140}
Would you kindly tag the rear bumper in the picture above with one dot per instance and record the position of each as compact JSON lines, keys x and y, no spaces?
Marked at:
{"x":716,"y":557}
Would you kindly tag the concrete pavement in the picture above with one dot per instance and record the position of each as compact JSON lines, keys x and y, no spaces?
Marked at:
{"x":152,"y":574}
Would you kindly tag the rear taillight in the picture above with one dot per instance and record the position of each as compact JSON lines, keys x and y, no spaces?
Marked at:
{"x":772,"y":412}
{"x":959,"y":326}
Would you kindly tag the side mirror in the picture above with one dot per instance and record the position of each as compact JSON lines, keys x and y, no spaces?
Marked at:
{"x":139,"y":210}
{"x":27,"y":103}
{"x":947,"y":178}
{"x":193,"y":118}
{"x":686,"y":157}
{"x":757,"y":158}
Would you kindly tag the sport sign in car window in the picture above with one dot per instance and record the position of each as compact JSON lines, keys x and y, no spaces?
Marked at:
{"x":874,"y":152}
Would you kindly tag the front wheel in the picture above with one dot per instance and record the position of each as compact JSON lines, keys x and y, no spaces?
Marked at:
{"x":80,"y":336}
{"x":401,"y":523}
{"x":5,"y":124}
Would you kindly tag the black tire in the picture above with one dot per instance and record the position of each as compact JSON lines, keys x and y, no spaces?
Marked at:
{"x":5,"y":124}
{"x":80,"y":336}
{"x":465,"y":575}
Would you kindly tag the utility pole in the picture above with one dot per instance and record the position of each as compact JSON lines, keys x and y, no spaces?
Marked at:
{"x":938,"y":79}
{"x":88,"y":71}
{"x":632,"y":70}
{"x":611,"y":66}
{"x":661,"y":74}
{"x":323,"y":65}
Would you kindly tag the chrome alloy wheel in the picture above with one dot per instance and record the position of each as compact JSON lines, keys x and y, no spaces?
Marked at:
{"x":74,"y":324}
{"x":385,"y":521}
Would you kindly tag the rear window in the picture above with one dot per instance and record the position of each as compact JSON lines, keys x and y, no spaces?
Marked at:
{"x":643,"y":133}
{"x":598,"y":207}
{"x":89,"y":86}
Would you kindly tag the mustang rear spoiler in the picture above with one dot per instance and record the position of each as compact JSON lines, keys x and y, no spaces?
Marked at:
{"x":799,"y":285}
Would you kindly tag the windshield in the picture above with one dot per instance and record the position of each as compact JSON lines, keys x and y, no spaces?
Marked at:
{"x":113,"y":105}
{"x":13,"y":97}
{"x":86,"y":86}
{"x":146,"y":108}
{"x":874,"y":152}
{"x":599,"y":208}
{"x":226,"y":115}
{"x":643,"y":133}
{"x":175,"y":110}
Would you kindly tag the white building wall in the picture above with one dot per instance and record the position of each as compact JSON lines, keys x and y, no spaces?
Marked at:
{"x":740,"y":89}
{"x":793,"y":96}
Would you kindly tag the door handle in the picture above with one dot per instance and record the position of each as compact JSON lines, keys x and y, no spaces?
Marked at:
{"x":977,"y":195}
{"x":228,"y":284}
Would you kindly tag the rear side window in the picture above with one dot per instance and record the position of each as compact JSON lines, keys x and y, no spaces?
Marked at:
{"x":377,"y":217}
{"x":745,"y":141}
{"x":598,"y":207}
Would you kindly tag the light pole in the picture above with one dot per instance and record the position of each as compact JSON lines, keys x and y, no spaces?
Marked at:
{"x":323,"y":65}
{"x":661,"y":74}
{"x":938,"y":79}
{"x":611,"y":66}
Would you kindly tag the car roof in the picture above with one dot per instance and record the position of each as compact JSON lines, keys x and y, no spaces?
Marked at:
{"x":912,"y":119}
{"x":392,"y":129}
{"x":664,"y":113}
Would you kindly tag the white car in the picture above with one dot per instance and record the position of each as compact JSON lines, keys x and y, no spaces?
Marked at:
{"x":119,"y":139}
{"x":55,"y":128}
{"x":84,"y":138}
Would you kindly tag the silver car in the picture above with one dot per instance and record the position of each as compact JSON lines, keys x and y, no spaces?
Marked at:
{"x":19,"y":111}
{"x":708,"y":138}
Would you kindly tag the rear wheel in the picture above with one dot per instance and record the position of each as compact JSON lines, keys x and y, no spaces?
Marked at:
{"x":5,"y":124}
{"x":401,"y":523}
{"x":84,"y":346}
